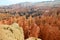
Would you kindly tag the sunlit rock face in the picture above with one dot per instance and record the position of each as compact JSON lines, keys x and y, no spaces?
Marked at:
{"x":32,"y":38}
{"x":11,"y":32}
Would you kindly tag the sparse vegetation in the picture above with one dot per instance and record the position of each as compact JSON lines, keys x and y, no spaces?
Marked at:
{"x":39,"y":23}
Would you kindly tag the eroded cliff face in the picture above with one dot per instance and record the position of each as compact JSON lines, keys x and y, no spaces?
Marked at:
{"x":11,"y":32}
